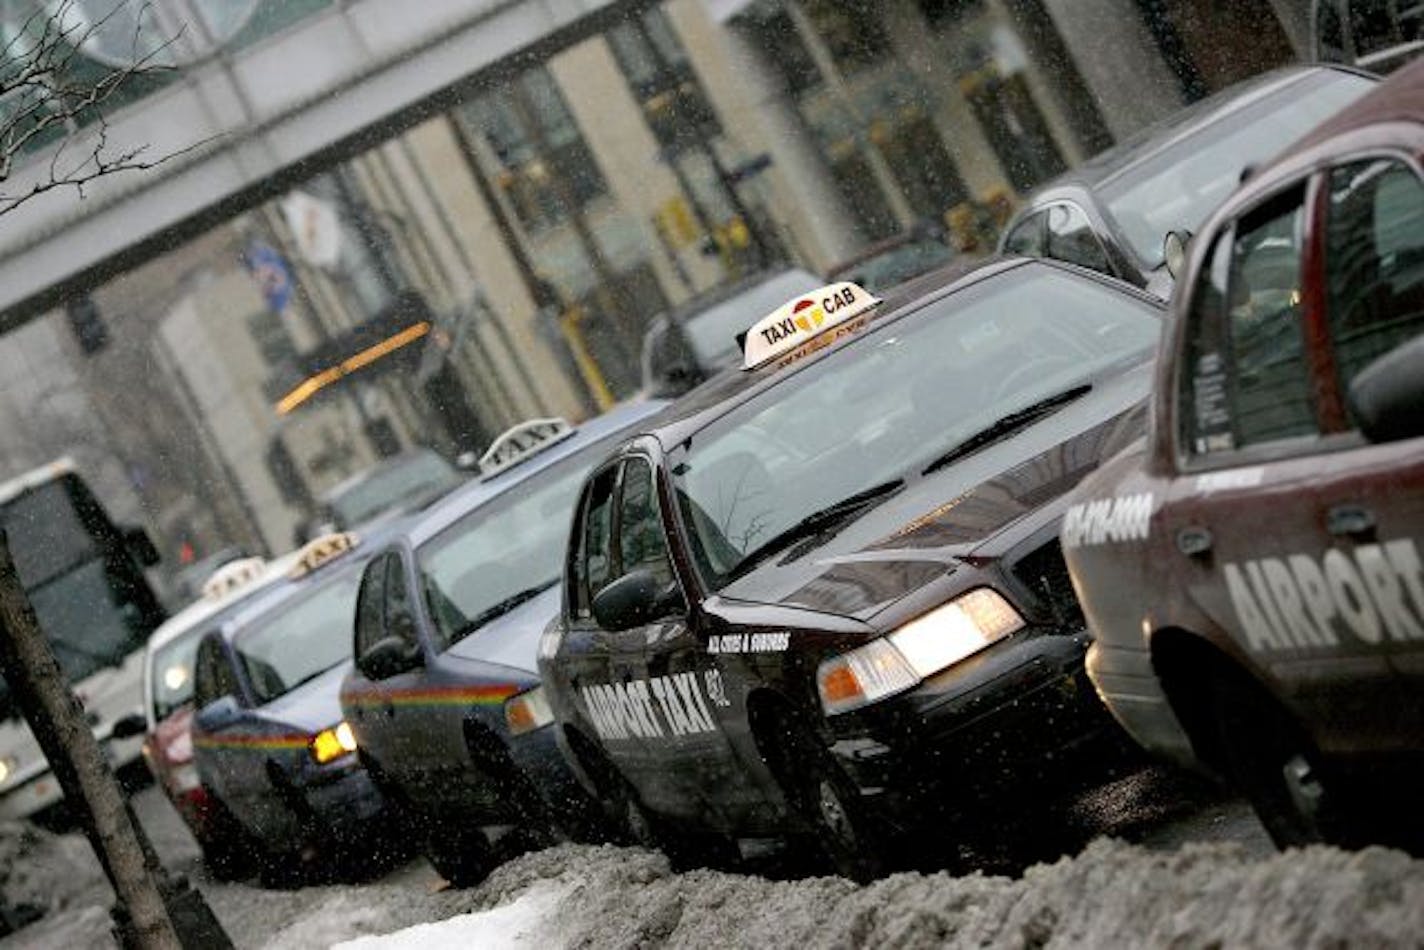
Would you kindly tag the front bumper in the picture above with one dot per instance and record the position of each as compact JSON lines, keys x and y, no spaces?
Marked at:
{"x":999,"y":724}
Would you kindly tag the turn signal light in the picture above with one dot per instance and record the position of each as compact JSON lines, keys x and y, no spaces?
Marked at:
{"x":331,"y":744}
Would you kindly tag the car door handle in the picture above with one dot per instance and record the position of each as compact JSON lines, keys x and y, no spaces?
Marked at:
{"x":1194,"y":541}
{"x":1349,"y":520}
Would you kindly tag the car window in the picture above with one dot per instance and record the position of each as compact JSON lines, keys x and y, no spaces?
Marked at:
{"x":213,"y":677}
{"x":1071,"y":238}
{"x":1374,"y":261}
{"x":641,"y":541}
{"x":1026,"y":239}
{"x":1246,"y":378}
{"x":593,"y":561}
{"x":299,"y":639}
{"x":370,"y":606}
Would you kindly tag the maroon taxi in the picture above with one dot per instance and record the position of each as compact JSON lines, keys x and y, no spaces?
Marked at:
{"x":1251,"y":570}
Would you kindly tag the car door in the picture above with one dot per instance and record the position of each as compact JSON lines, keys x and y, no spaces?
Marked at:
{"x":1272,"y":537}
{"x":1373,"y":280}
{"x":234,"y":753}
{"x":683,"y":751}
{"x":377,"y":704}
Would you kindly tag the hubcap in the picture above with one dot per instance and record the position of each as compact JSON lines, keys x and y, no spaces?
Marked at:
{"x":1304,"y":786}
{"x":834,"y":814}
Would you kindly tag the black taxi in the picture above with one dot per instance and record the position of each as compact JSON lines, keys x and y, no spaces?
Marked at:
{"x":821,"y":598}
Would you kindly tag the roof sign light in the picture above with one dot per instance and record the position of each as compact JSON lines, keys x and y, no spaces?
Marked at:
{"x":803,"y":318}
{"x":233,"y":575}
{"x":522,"y":442}
{"x":321,"y":551}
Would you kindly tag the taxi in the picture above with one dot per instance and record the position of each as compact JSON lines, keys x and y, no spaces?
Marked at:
{"x":822,"y":597}
{"x":269,"y":743}
{"x":1251,"y":569}
{"x":447,"y":628}
{"x":168,"y":708}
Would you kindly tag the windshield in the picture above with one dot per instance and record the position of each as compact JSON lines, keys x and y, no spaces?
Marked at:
{"x":408,"y":483}
{"x":505,"y":550}
{"x":1176,"y":188}
{"x":883,"y":407}
{"x":172,"y":673}
{"x":302,"y":637}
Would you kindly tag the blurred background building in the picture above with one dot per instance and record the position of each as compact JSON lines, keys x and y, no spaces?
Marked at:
{"x":416,"y":224}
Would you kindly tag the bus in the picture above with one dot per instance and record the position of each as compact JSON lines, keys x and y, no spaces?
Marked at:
{"x":84,"y":576}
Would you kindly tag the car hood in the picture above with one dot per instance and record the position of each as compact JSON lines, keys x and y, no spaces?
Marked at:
{"x":313,"y":706}
{"x":955,"y":514}
{"x":513,"y":639}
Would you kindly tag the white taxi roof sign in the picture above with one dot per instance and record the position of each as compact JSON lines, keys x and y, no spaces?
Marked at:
{"x":802,"y":318}
{"x":521,"y":442}
{"x":320,"y":551}
{"x":233,"y":575}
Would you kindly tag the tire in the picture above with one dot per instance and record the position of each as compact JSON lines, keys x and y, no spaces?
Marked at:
{"x":1268,"y":757}
{"x":229,"y":852}
{"x":462,"y":857}
{"x":843,"y":833}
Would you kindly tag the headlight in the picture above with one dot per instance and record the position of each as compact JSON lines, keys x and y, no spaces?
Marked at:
{"x":527,"y":711}
{"x":7,"y":768}
{"x":331,"y":744}
{"x":921,"y":648}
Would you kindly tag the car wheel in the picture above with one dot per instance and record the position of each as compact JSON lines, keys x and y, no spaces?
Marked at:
{"x":1268,"y":757}
{"x":843,"y":832}
{"x":461,"y":856}
{"x":229,"y":851}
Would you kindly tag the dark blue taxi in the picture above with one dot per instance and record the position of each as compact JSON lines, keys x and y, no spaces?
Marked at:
{"x":447,"y":630}
{"x":268,"y":738}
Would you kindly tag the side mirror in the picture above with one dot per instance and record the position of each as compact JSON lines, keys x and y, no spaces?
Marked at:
{"x":140,"y":545}
{"x":131,"y":725}
{"x":635,"y":599}
{"x":388,"y":657}
{"x":218,"y":714}
{"x":1174,"y":252}
{"x":1387,"y":396}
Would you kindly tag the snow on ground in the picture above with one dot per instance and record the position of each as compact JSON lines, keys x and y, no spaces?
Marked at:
{"x":47,"y":872}
{"x":1111,"y":894}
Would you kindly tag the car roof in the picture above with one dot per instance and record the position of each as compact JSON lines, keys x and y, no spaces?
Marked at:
{"x":380,"y":467}
{"x":722,"y":293}
{"x":1186,"y":122}
{"x":204,"y":609}
{"x":1400,"y":98}
{"x":278,"y":593}
{"x":714,"y":398}
{"x":422,"y":527}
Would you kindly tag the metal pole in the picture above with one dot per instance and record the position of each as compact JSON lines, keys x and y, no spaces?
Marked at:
{"x":141,"y":887}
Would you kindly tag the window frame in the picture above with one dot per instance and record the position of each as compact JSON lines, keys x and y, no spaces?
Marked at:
{"x":1184,"y":460}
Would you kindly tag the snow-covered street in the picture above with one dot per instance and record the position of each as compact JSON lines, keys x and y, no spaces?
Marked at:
{"x":1163,"y":868}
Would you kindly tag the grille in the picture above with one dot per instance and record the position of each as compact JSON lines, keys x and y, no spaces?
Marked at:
{"x":1044,"y":572}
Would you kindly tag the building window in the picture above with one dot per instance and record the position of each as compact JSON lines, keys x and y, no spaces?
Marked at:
{"x":852,"y":31}
{"x":662,"y":80}
{"x":543,"y":167}
{"x":783,"y":49}
{"x":942,"y":14}
{"x":271,"y":337}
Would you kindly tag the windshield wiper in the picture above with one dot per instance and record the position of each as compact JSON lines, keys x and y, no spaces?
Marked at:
{"x":503,"y":607}
{"x":1007,"y":425}
{"x":818,"y":522}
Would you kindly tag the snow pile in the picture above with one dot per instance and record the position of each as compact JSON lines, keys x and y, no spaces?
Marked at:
{"x":47,"y":872}
{"x":1111,"y":894}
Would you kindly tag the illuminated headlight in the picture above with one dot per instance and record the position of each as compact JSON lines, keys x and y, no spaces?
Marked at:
{"x":527,"y":712}
{"x":331,"y":744}
{"x":919,"y":649}
{"x":7,"y":768}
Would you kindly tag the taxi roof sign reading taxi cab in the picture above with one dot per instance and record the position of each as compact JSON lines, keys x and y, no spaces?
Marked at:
{"x":320,"y":551}
{"x":524,"y":440}
{"x":804,"y":318}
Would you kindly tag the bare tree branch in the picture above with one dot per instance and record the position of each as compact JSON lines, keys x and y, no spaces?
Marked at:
{"x":47,"y":93}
